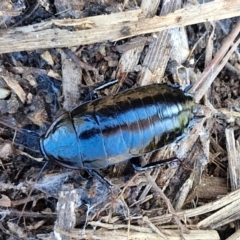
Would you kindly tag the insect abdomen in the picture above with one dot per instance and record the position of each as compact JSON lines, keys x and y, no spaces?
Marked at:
{"x":113,"y":129}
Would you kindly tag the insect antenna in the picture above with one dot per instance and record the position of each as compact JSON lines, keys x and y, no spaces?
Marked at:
{"x":31,"y":190}
{"x":32,"y":133}
{"x":17,"y":129}
{"x":24,"y":131}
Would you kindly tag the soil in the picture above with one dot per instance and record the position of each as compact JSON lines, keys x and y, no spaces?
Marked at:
{"x":39,"y":83}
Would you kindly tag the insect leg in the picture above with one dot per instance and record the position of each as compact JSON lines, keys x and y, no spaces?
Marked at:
{"x":99,"y":177}
{"x":100,"y":87}
{"x":187,"y":88}
{"x":155,"y":164}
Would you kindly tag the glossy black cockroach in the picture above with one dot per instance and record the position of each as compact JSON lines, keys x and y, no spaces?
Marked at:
{"x":112,"y":129}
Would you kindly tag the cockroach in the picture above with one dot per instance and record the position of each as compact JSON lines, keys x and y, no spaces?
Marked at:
{"x":112,"y":129}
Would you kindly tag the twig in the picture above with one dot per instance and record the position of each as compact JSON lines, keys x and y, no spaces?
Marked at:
{"x":209,"y":74}
{"x":117,"y":26}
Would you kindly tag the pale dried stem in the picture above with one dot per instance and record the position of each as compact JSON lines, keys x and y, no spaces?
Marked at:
{"x":117,"y":25}
{"x":209,"y":207}
{"x":215,"y":66}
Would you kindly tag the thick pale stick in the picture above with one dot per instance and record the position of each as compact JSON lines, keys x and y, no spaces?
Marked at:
{"x":54,"y":34}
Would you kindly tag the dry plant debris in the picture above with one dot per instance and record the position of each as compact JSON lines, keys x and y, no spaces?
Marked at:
{"x":54,"y":54}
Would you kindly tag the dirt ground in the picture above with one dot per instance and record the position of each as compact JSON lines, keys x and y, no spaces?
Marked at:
{"x":54,"y":54}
